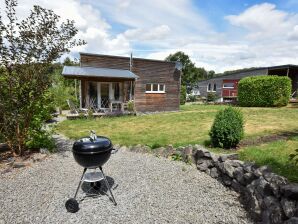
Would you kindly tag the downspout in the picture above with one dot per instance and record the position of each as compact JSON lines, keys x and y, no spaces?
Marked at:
{"x":288,"y":71}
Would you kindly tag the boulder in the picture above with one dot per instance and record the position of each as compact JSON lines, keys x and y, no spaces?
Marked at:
{"x":290,"y":191}
{"x":262,"y":170}
{"x":293,"y":220}
{"x":226,"y":180}
{"x":249,"y":167}
{"x":201,"y":153}
{"x":248,"y":178}
{"x":203,"y":165}
{"x":225,"y":157}
{"x":236,"y":163}
{"x":214,"y":172}
{"x":275,"y":182}
{"x":272,"y":211}
{"x":239,"y":176}
{"x":228,"y":168}
{"x":289,"y":207}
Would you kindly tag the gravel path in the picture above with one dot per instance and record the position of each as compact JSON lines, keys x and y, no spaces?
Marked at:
{"x":147,"y":189}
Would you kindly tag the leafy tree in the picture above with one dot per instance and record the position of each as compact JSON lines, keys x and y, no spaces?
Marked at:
{"x":190,"y":73}
{"x":27,"y":50}
{"x":61,"y":88}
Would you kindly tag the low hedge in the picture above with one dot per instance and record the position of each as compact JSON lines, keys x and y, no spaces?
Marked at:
{"x":264,"y":91}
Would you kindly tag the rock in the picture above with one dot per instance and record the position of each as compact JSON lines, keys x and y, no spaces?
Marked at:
{"x":226,"y":180}
{"x":202,"y":166}
{"x":275,"y":182}
{"x":248,"y":178}
{"x":44,"y":151}
{"x":201,"y":153}
{"x":260,"y":187}
{"x":225,"y":157}
{"x":293,"y":220}
{"x":262,"y":170}
{"x":239,"y":176}
{"x":37,"y":157}
{"x":272,"y":212}
{"x":289,"y":207}
{"x":249,"y":167}
{"x":214,"y":158}
{"x":236,"y":186}
{"x":214,"y":172}
{"x":159,"y":151}
{"x":236,"y":163}
{"x":20,"y":164}
{"x":290,"y":191}
{"x":208,"y":172}
{"x":228,"y":168}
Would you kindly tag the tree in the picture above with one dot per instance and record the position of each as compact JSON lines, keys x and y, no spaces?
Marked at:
{"x":27,"y":50}
{"x":62,"y":89}
{"x":190,"y":73}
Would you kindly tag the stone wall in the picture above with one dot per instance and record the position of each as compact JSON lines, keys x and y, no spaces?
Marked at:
{"x":268,"y":197}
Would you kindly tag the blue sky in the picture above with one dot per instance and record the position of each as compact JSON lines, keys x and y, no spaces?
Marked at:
{"x":216,"y":34}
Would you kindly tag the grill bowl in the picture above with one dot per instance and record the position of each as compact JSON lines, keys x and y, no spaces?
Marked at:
{"x":91,"y":153}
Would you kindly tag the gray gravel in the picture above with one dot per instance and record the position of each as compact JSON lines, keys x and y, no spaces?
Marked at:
{"x":148,"y":190}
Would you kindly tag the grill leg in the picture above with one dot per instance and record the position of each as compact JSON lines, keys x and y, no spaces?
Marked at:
{"x":108,"y":186}
{"x":85,"y":169}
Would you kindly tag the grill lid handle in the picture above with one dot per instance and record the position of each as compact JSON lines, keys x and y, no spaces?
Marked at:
{"x":93,"y":135}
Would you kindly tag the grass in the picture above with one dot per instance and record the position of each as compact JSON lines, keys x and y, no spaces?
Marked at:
{"x":276,"y":155}
{"x":191,"y":126}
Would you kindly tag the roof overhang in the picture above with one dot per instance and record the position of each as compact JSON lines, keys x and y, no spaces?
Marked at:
{"x":93,"y":72}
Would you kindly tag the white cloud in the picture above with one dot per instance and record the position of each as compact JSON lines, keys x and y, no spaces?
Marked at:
{"x":264,"y":20}
{"x":92,"y":26}
{"x":155,"y":28}
{"x":141,"y":34}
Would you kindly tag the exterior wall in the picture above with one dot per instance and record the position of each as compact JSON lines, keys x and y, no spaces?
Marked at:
{"x":149,"y":71}
{"x":203,"y":85}
{"x":230,"y":92}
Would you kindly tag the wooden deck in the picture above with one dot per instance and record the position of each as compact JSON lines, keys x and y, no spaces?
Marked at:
{"x":98,"y":115}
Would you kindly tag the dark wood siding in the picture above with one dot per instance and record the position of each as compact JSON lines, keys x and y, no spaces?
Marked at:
{"x":149,"y":71}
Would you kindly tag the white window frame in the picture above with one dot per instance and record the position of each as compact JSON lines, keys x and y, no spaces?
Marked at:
{"x":211,"y":90}
{"x":228,"y":87}
{"x":158,"y":88}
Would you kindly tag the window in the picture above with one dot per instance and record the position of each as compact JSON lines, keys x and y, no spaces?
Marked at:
{"x":228,"y":85}
{"x":155,"y":88}
{"x":214,"y":87}
{"x":209,"y":87}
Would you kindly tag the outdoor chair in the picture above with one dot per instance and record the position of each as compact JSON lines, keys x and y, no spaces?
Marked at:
{"x":74,"y":110}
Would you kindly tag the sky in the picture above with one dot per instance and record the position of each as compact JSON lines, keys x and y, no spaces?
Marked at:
{"x":218,"y":35}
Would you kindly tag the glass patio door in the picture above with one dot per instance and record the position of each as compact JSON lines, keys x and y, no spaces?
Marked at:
{"x":104,"y":94}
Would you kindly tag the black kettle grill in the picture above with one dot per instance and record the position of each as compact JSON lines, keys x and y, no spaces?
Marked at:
{"x":91,"y":153}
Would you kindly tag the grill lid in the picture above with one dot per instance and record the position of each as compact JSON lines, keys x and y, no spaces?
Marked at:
{"x":89,"y":145}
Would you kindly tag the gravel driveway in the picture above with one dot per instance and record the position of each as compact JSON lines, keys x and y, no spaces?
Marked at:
{"x":147,"y":189}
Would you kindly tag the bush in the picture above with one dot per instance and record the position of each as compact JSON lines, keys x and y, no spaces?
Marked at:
{"x":192,"y":98}
{"x":131,"y":106}
{"x":182,"y":95}
{"x":264,"y":91}
{"x":211,"y":97}
{"x":227,"y":129}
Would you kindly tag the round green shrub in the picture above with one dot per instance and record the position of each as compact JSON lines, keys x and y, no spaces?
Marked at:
{"x":227,"y":129}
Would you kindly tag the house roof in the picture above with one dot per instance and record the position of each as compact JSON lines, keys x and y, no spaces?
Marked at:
{"x":252,"y":69}
{"x":70,"y":71}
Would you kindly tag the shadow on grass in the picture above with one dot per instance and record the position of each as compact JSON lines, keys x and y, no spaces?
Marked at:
{"x":285,"y":135}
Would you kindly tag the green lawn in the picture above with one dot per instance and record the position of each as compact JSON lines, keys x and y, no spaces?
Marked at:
{"x":191,"y":126}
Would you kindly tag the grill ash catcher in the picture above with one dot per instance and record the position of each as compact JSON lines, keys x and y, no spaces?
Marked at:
{"x":91,"y":153}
